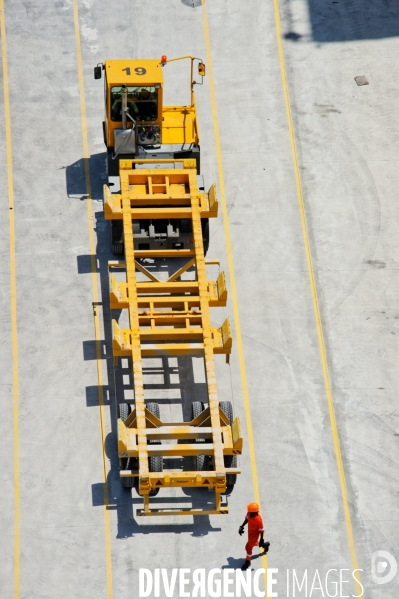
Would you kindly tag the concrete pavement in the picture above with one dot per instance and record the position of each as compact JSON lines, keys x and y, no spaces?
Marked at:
{"x":347,"y":141}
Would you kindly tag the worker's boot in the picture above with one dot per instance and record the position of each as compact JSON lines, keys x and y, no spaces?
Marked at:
{"x":246,"y":564}
{"x":266,"y":546}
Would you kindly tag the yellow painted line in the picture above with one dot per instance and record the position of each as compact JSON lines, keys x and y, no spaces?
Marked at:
{"x":226,"y":225}
{"x":97,"y":328}
{"x":13,"y":294}
{"x":313,"y":287}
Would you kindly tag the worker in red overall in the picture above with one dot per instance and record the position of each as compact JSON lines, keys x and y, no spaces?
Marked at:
{"x":255,"y":528}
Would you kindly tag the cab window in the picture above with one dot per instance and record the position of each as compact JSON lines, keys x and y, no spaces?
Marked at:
{"x":142,"y":102}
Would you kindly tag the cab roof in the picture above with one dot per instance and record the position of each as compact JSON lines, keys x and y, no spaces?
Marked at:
{"x":134,"y":72}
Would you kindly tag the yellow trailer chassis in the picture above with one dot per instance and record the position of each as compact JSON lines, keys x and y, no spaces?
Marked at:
{"x":171,"y":318}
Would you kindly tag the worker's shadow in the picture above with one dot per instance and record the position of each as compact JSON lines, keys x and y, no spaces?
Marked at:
{"x":235,"y":564}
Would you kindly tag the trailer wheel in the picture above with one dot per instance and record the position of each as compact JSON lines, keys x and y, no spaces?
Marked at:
{"x":205,"y":233}
{"x":230,"y":461}
{"x":116,"y":237}
{"x":201,"y":462}
{"x":124,"y":411}
{"x":196,"y":408}
{"x":155,"y":462}
{"x":153,"y":407}
{"x":129,"y":464}
{"x":126,"y":463}
{"x":227,"y":408}
{"x":128,"y":483}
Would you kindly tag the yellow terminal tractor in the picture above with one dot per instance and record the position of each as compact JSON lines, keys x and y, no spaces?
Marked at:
{"x":138,"y":125}
{"x":158,"y":205}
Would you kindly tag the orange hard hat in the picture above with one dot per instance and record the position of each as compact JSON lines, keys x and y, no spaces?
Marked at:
{"x":252,"y":507}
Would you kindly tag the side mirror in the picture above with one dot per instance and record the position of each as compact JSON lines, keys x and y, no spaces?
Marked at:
{"x":97,"y":72}
{"x":201,"y":69}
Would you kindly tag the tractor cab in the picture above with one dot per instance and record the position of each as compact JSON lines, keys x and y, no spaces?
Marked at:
{"x":136,"y":123}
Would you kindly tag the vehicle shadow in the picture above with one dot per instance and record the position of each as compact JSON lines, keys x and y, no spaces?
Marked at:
{"x":75,"y":177}
{"x":168,"y":380}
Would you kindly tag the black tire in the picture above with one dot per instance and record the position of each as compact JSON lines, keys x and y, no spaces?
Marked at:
{"x":128,"y":483}
{"x":205,"y":234}
{"x":126,"y":463}
{"x":230,"y":461}
{"x":227,"y":408}
{"x":117,"y":249}
{"x":153,"y":407}
{"x":155,"y":462}
{"x":116,"y":237}
{"x":124,"y":411}
{"x":201,"y":462}
{"x":129,"y":464}
{"x":196,"y":408}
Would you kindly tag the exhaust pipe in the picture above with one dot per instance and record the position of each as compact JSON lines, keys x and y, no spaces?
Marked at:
{"x":124,"y":105}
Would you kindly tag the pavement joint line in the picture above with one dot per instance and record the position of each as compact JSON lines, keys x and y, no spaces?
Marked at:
{"x":230,"y":262}
{"x":97,"y":328}
{"x":14,"y":330}
{"x":315,"y":300}
{"x":13,"y":301}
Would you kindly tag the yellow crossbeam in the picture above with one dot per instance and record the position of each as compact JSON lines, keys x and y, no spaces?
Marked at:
{"x":159,"y":213}
{"x":164,"y":334}
{"x":173,"y":349}
{"x":163,"y":253}
{"x":177,"y":479}
{"x":146,"y":272}
{"x":179,"y":512}
{"x":168,"y":287}
{"x":124,"y":339}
